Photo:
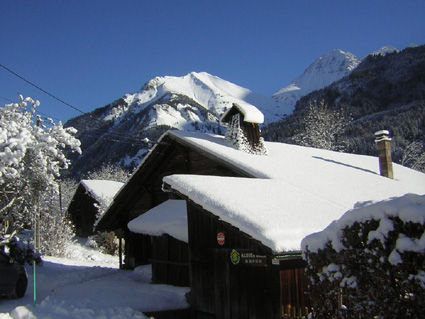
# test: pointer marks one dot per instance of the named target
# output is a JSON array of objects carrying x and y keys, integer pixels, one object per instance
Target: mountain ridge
[
  {"x": 325, "y": 70},
  {"x": 123, "y": 131}
]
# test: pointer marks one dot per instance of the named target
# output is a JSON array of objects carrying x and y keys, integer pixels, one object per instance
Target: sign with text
[{"x": 248, "y": 258}]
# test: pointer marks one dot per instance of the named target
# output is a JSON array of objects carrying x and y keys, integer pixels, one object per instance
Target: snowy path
[{"x": 68, "y": 290}]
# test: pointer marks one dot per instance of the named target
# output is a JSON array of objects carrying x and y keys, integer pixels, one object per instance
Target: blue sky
[{"x": 90, "y": 53}]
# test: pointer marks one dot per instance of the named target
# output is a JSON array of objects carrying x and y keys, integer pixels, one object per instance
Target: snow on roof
[
  {"x": 102, "y": 190},
  {"x": 297, "y": 190},
  {"x": 170, "y": 217},
  {"x": 409, "y": 208},
  {"x": 250, "y": 112}
]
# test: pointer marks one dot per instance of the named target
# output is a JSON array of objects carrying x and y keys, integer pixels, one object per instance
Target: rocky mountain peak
[{"x": 325, "y": 70}]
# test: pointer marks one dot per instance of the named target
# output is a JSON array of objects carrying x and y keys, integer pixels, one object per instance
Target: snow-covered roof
[
  {"x": 102, "y": 190},
  {"x": 409, "y": 208},
  {"x": 170, "y": 217},
  {"x": 250, "y": 112},
  {"x": 297, "y": 190}
]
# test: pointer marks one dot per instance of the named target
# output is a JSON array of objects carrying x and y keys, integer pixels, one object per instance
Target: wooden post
[{"x": 120, "y": 250}]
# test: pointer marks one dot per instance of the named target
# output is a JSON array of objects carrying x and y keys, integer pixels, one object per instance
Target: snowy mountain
[
  {"x": 322, "y": 72},
  {"x": 385, "y": 91},
  {"x": 194, "y": 102},
  {"x": 212, "y": 93}
]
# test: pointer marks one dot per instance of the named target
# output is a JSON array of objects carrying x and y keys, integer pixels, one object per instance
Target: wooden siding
[
  {"x": 170, "y": 261},
  {"x": 252, "y": 133},
  {"x": 220, "y": 289},
  {"x": 294, "y": 297},
  {"x": 137, "y": 250}
]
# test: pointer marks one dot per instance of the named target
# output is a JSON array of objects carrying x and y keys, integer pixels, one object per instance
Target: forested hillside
[{"x": 383, "y": 92}]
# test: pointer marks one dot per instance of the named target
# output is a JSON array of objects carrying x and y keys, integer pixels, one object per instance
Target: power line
[
  {"x": 41, "y": 89},
  {"x": 118, "y": 135}
]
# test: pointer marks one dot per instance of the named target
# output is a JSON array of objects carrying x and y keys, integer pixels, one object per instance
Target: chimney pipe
[{"x": 383, "y": 145}]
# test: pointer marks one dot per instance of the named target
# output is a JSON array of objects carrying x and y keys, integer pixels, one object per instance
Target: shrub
[{"x": 371, "y": 262}]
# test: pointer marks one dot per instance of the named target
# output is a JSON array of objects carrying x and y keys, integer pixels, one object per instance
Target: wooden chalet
[
  {"x": 247, "y": 215},
  {"x": 234, "y": 275},
  {"x": 82, "y": 210},
  {"x": 172, "y": 155}
]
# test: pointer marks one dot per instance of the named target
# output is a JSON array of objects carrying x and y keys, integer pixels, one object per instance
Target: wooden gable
[{"x": 144, "y": 191}]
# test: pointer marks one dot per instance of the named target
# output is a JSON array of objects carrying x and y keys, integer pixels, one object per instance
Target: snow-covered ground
[{"x": 90, "y": 285}]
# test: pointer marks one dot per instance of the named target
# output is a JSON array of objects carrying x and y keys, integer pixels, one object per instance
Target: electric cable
[{"x": 114, "y": 134}]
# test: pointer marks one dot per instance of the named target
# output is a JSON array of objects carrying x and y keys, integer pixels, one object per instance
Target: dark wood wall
[
  {"x": 82, "y": 212},
  {"x": 220, "y": 289},
  {"x": 252, "y": 133},
  {"x": 137, "y": 249},
  {"x": 170, "y": 261},
  {"x": 294, "y": 297}
]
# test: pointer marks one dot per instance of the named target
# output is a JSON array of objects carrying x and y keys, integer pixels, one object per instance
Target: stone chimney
[{"x": 383, "y": 145}]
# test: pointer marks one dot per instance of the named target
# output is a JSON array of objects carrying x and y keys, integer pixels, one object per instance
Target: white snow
[
  {"x": 212, "y": 93},
  {"x": 323, "y": 71},
  {"x": 296, "y": 191},
  {"x": 170, "y": 217},
  {"x": 102, "y": 190},
  {"x": 409, "y": 208},
  {"x": 83, "y": 289}
]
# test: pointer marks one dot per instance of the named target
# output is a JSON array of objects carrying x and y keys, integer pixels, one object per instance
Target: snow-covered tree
[
  {"x": 414, "y": 156},
  {"x": 31, "y": 159},
  {"x": 322, "y": 127},
  {"x": 110, "y": 172}
]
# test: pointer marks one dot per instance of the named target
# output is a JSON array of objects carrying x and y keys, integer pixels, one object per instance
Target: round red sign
[{"x": 221, "y": 238}]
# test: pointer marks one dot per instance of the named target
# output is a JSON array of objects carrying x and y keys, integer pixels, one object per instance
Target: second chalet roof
[
  {"x": 101, "y": 190},
  {"x": 169, "y": 217}
]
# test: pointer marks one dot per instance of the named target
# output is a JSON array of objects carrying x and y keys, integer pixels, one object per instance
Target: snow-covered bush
[
  {"x": 371, "y": 262},
  {"x": 31, "y": 159}
]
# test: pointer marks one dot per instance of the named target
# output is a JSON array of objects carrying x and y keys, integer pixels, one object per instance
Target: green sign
[
  {"x": 235, "y": 257},
  {"x": 248, "y": 258}
]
